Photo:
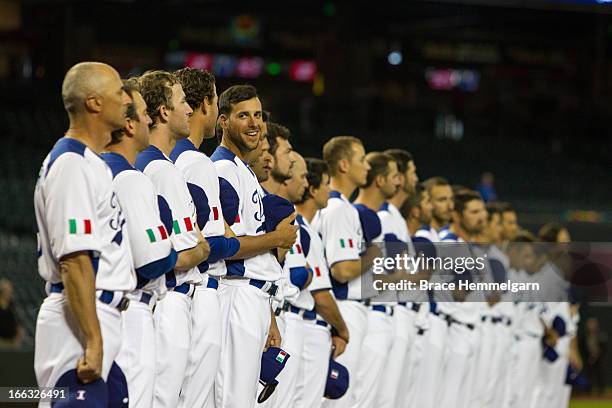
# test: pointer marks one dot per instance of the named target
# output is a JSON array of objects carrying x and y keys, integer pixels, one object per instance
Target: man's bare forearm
[
  {"x": 80, "y": 290},
  {"x": 326, "y": 306},
  {"x": 255, "y": 245},
  {"x": 190, "y": 258}
]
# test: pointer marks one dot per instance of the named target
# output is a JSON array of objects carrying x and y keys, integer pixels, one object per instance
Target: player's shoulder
[
  {"x": 223, "y": 156},
  {"x": 118, "y": 164},
  {"x": 149, "y": 156},
  {"x": 68, "y": 152},
  {"x": 184, "y": 148}
]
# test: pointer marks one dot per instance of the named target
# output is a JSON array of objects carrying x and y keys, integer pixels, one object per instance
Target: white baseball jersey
[
  {"x": 77, "y": 210},
  {"x": 341, "y": 234},
  {"x": 295, "y": 273},
  {"x": 427, "y": 232},
  {"x": 203, "y": 183},
  {"x": 315, "y": 256},
  {"x": 150, "y": 244},
  {"x": 241, "y": 199},
  {"x": 395, "y": 229},
  {"x": 468, "y": 311},
  {"x": 171, "y": 186}
]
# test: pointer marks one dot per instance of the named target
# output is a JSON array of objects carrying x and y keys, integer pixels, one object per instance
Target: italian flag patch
[
  {"x": 184, "y": 225},
  {"x": 344, "y": 243},
  {"x": 215, "y": 211},
  {"x": 281, "y": 356},
  {"x": 157, "y": 234},
  {"x": 298, "y": 249},
  {"x": 317, "y": 271},
  {"x": 334, "y": 374},
  {"x": 79, "y": 226}
]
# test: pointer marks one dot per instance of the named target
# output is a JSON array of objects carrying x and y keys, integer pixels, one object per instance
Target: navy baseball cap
[
  {"x": 92, "y": 395},
  {"x": 272, "y": 363},
  {"x": 276, "y": 209},
  {"x": 337, "y": 380},
  {"x": 117, "y": 388}
]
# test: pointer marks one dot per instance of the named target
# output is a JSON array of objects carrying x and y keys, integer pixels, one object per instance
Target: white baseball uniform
[
  {"x": 434, "y": 342},
  {"x": 298, "y": 301},
  {"x": 203, "y": 183},
  {"x": 172, "y": 313},
  {"x": 244, "y": 296},
  {"x": 77, "y": 210},
  {"x": 379, "y": 336},
  {"x": 341, "y": 234},
  {"x": 153, "y": 257},
  {"x": 394, "y": 383},
  {"x": 317, "y": 337}
]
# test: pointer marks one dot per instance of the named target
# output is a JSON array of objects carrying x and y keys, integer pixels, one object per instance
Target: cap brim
[{"x": 266, "y": 392}]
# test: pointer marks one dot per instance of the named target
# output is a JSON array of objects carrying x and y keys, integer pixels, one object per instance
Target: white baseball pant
[
  {"x": 205, "y": 349},
  {"x": 315, "y": 365},
  {"x": 430, "y": 372},
  {"x": 58, "y": 340},
  {"x": 245, "y": 316}
]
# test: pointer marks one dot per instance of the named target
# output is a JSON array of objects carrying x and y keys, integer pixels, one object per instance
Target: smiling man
[{"x": 248, "y": 324}]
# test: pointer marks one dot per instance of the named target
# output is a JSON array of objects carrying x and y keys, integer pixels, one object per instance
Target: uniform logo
[
  {"x": 334, "y": 374},
  {"x": 281, "y": 356},
  {"x": 256, "y": 199},
  {"x": 81, "y": 395},
  {"x": 157, "y": 234},
  {"x": 344, "y": 243},
  {"x": 79, "y": 226}
]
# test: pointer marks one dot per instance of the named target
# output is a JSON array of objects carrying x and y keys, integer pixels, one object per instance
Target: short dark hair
[
  {"x": 379, "y": 166},
  {"x": 463, "y": 197},
  {"x": 275, "y": 130},
  {"x": 435, "y": 181},
  {"x": 316, "y": 169},
  {"x": 549, "y": 232},
  {"x": 338, "y": 148},
  {"x": 413, "y": 201},
  {"x": 524, "y": 236},
  {"x": 156, "y": 90},
  {"x": 492, "y": 209},
  {"x": 197, "y": 85},
  {"x": 235, "y": 94},
  {"x": 130, "y": 86},
  {"x": 401, "y": 157},
  {"x": 505, "y": 207}
]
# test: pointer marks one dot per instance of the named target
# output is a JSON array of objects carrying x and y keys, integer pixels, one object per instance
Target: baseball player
[
  {"x": 297, "y": 298},
  {"x": 203, "y": 183},
  {"x": 342, "y": 234},
  {"x": 260, "y": 160},
  {"x": 247, "y": 322},
  {"x": 151, "y": 249},
  {"x": 317, "y": 337},
  {"x": 83, "y": 251},
  {"x": 170, "y": 114},
  {"x": 395, "y": 383},
  {"x": 464, "y": 313},
  {"x": 282, "y": 159},
  {"x": 382, "y": 183},
  {"x": 428, "y": 382}
]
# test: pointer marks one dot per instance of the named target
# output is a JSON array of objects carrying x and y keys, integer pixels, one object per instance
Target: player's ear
[
  {"x": 223, "y": 121},
  {"x": 93, "y": 103},
  {"x": 415, "y": 212},
  {"x": 343, "y": 165},
  {"x": 163, "y": 113},
  {"x": 130, "y": 127}
]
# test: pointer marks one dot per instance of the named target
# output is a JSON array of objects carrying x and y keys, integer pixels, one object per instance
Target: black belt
[{"x": 415, "y": 307}]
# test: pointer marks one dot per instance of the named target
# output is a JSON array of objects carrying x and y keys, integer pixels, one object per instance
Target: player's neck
[
  {"x": 437, "y": 224},
  {"x": 413, "y": 225},
  {"x": 229, "y": 145},
  {"x": 307, "y": 209},
  {"x": 91, "y": 134},
  {"x": 399, "y": 198},
  {"x": 125, "y": 150},
  {"x": 371, "y": 198},
  {"x": 456, "y": 229},
  {"x": 343, "y": 186},
  {"x": 196, "y": 130},
  {"x": 163, "y": 140},
  {"x": 274, "y": 187}
]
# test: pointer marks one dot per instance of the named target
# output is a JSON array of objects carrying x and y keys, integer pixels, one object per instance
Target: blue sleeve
[
  {"x": 158, "y": 268},
  {"x": 305, "y": 240},
  {"x": 229, "y": 201},
  {"x": 299, "y": 276},
  {"x": 222, "y": 248},
  {"x": 201, "y": 203},
  {"x": 165, "y": 213},
  {"x": 497, "y": 270},
  {"x": 394, "y": 246}
]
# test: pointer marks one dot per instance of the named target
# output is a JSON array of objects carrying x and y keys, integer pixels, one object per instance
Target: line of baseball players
[{"x": 169, "y": 272}]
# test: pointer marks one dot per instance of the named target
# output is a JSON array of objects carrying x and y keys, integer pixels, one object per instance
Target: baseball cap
[
  {"x": 337, "y": 380},
  {"x": 117, "y": 388},
  {"x": 92, "y": 395},
  {"x": 272, "y": 363},
  {"x": 276, "y": 209}
]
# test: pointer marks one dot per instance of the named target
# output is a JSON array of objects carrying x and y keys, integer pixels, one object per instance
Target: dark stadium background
[{"x": 518, "y": 88}]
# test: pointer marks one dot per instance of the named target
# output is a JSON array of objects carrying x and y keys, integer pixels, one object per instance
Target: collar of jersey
[
  {"x": 181, "y": 146},
  {"x": 337, "y": 194},
  {"x": 226, "y": 153}
]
